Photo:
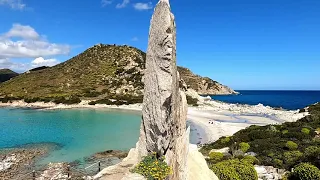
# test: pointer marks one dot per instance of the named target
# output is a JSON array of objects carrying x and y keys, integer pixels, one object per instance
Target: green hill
[
  {"x": 6, "y": 74},
  {"x": 100, "y": 72}
]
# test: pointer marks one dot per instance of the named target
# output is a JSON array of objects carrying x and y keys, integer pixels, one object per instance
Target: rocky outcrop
[
  {"x": 55, "y": 171},
  {"x": 269, "y": 172},
  {"x": 203, "y": 85},
  {"x": 164, "y": 110}
]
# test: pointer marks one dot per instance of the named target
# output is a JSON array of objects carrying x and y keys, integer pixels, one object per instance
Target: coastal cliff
[{"x": 102, "y": 71}]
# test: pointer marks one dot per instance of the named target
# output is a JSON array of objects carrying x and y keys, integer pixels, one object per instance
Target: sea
[
  {"x": 77, "y": 133},
  {"x": 290, "y": 100}
]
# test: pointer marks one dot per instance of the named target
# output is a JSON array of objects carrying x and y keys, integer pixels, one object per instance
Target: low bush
[
  {"x": 305, "y": 131},
  {"x": 250, "y": 160},
  {"x": 101, "y": 101},
  {"x": 305, "y": 171},
  {"x": 234, "y": 170},
  {"x": 153, "y": 168},
  {"x": 291, "y": 145},
  {"x": 225, "y": 140},
  {"x": 292, "y": 157},
  {"x": 278, "y": 163},
  {"x": 192, "y": 101},
  {"x": 215, "y": 157},
  {"x": 31, "y": 100},
  {"x": 312, "y": 151},
  {"x": 244, "y": 147},
  {"x": 69, "y": 100}
]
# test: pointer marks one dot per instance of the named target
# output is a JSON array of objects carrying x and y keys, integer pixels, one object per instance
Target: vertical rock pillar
[{"x": 163, "y": 127}]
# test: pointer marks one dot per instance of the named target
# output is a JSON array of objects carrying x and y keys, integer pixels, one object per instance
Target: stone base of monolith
[{"x": 197, "y": 167}]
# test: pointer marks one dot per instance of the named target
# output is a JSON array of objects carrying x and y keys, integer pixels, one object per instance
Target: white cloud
[
  {"x": 106, "y": 2},
  {"x": 123, "y": 4},
  {"x": 14, "y": 4},
  {"x": 20, "y": 31},
  {"x": 142, "y": 6},
  {"x": 24, "y": 42},
  {"x": 22, "y": 67},
  {"x": 40, "y": 61},
  {"x": 30, "y": 46},
  {"x": 18, "y": 67}
]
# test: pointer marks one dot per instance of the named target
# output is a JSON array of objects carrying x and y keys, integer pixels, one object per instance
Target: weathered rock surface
[
  {"x": 197, "y": 166},
  {"x": 164, "y": 110},
  {"x": 55, "y": 171},
  {"x": 269, "y": 172}
]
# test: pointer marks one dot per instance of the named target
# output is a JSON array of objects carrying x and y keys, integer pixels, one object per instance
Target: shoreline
[{"x": 214, "y": 118}]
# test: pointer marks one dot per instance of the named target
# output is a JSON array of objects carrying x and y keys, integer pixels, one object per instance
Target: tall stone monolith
[{"x": 164, "y": 113}]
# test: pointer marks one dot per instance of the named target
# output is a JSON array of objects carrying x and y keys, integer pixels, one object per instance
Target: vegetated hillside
[
  {"x": 6, "y": 74},
  {"x": 203, "y": 85},
  {"x": 101, "y": 69},
  {"x": 281, "y": 146},
  {"x": 101, "y": 72}
]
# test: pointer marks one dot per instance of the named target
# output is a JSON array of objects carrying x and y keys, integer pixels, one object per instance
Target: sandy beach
[{"x": 210, "y": 121}]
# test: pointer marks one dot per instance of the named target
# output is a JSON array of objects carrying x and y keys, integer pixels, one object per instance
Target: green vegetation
[
  {"x": 215, "y": 157},
  {"x": 96, "y": 74},
  {"x": 291, "y": 145},
  {"x": 244, "y": 147},
  {"x": 234, "y": 170},
  {"x": 153, "y": 168},
  {"x": 118, "y": 100},
  {"x": 192, "y": 101},
  {"x": 6, "y": 74},
  {"x": 250, "y": 160},
  {"x": 86, "y": 75},
  {"x": 304, "y": 171},
  {"x": 305, "y": 131},
  {"x": 282, "y": 146}
]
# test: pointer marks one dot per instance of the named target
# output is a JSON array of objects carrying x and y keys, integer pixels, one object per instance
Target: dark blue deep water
[{"x": 286, "y": 99}]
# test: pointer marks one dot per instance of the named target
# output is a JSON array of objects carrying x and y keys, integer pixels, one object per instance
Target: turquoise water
[{"x": 79, "y": 132}]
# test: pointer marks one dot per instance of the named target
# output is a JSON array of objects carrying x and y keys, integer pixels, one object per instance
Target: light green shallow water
[{"x": 79, "y": 132}]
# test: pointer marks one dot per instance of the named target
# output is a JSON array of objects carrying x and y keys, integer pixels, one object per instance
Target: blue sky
[{"x": 247, "y": 44}]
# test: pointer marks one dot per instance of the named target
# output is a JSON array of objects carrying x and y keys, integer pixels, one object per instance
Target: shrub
[
  {"x": 291, "y": 145},
  {"x": 305, "y": 131},
  {"x": 101, "y": 101},
  {"x": 192, "y": 101},
  {"x": 305, "y": 171},
  {"x": 244, "y": 147},
  {"x": 225, "y": 140},
  {"x": 312, "y": 151},
  {"x": 278, "y": 162},
  {"x": 215, "y": 156},
  {"x": 285, "y": 131},
  {"x": 153, "y": 168},
  {"x": 291, "y": 157},
  {"x": 31, "y": 100},
  {"x": 250, "y": 160},
  {"x": 234, "y": 170}
]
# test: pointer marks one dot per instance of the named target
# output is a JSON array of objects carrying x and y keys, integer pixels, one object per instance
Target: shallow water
[{"x": 79, "y": 133}]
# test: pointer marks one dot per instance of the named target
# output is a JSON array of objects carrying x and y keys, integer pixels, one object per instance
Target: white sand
[{"x": 217, "y": 119}]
